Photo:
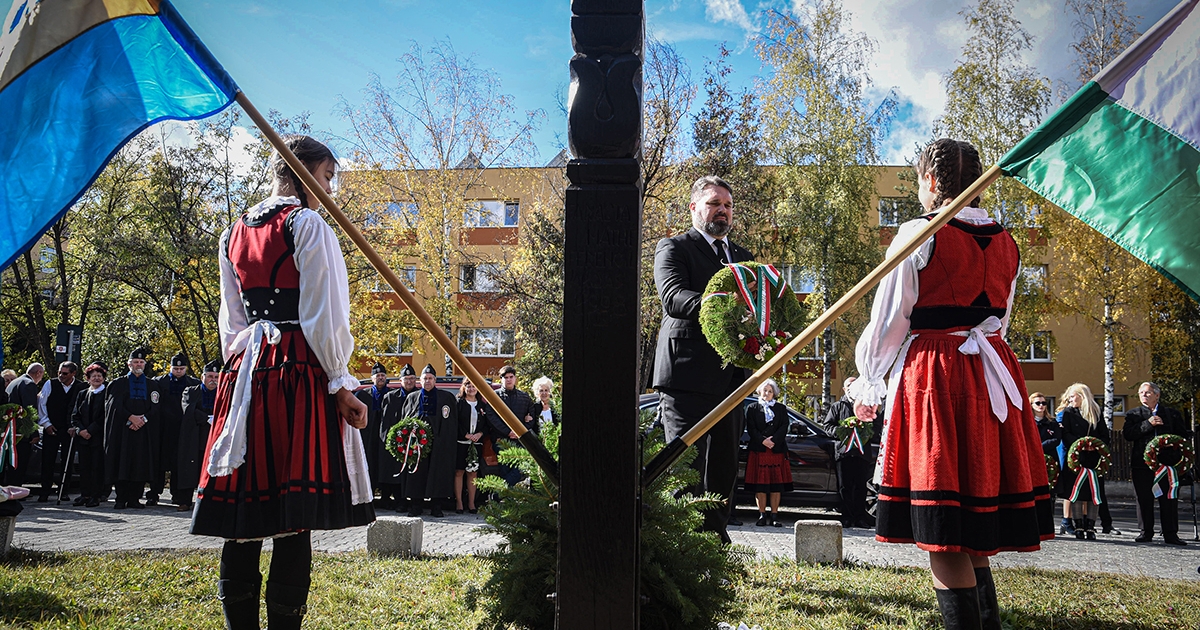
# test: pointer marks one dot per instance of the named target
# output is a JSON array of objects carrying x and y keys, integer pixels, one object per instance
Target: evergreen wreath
[
  {"x": 1052, "y": 469},
  {"x": 1102, "y": 466},
  {"x": 749, "y": 313},
  {"x": 1165, "y": 443},
  {"x": 1168, "y": 444},
  {"x": 688, "y": 576},
  {"x": 22, "y": 419},
  {"x": 409, "y": 440},
  {"x": 846, "y": 430}
]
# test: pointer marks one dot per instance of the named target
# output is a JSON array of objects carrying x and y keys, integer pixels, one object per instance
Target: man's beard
[
  {"x": 713, "y": 228},
  {"x": 137, "y": 371}
]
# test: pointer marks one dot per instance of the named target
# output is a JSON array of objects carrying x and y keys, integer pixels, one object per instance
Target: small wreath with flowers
[
  {"x": 19, "y": 419},
  {"x": 1052, "y": 469},
  {"x": 409, "y": 441},
  {"x": 1170, "y": 445},
  {"x": 749, "y": 313},
  {"x": 854, "y": 433},
  {"x": 1089, "y": 443}
]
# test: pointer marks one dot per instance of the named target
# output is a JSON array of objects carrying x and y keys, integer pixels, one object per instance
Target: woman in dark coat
[
  {"x": 87, "y": 425},
  {"x": 1080, "y": 418},
  {"x": 542, "y": 411},
  {"x": 1048, "y": 428},
  {"x": 473, "y": 420},
  {"x": 767, "y": 470}
]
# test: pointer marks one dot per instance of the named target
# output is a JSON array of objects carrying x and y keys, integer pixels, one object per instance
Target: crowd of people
[{"x": 132, "y": 434}]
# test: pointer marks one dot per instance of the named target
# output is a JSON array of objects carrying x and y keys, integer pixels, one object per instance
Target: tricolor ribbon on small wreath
[
  {"x": 8, "y": 445},
  {"x": 1088, "y": 477},
  {"x": 1166, "y": 476},
  {"x": 854, "y": 433}
]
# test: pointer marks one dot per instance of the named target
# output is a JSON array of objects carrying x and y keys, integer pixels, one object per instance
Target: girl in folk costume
[
  {"x": 768, "y": 472},
  {"x": 960, "y": 468},
  {"x": 1080, "y": 418},
  {"x": 281, "y": 459}
]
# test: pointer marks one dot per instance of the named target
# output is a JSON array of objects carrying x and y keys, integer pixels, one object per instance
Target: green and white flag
[{"x": 1123, "y": 154}]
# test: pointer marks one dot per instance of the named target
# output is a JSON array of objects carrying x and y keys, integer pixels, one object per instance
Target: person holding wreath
[
  {"x": 473, "y": 418},
  {"x": 852, "y": 457},
  {"x": 1081, "y": 418},
  {"x": 767, "y": 469},
  {"x": 1142, "y": 425},
  {"x": 961, "y": 467},
  {"x": 434, "y": 477}
]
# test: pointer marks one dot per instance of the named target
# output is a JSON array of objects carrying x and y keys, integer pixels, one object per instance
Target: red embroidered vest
[
  {"x": 261, "y": 250},
  {"x": 968, "y": 277}
]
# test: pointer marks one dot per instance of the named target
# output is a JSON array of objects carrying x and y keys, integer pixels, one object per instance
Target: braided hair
[
  {"x": 954, "y": 164},
  {"x": 310, "y": 152}
]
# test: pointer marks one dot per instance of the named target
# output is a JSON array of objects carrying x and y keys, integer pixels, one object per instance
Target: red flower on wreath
[
  {"x": 423, "y": 442},
  {"x": 751, "y": 346}
]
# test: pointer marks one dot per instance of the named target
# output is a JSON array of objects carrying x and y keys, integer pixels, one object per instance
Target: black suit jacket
[
  {"x": 684, "y": 360},
  {"x": 1138, "y": 430}
]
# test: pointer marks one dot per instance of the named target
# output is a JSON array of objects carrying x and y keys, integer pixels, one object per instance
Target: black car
[{"x": 810, "y": 453}]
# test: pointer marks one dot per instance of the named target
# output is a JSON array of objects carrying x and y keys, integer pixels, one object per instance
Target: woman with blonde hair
[{"x": 1080, "y": 418}]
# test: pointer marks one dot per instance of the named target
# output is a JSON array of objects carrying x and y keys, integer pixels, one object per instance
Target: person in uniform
[
  {"x": 372, "y": 441},
  {"x": 434, "y": 478},
  {"x": 55, "y": 404},
  {"x": 1143, "y": 424},
  {"x": 391, "y": 481},
  {"x": 87, "y": 425},
  {"x": 281, "y": 460},
  {"x": 131, "y": 427},
  {"x": 171, "y": 386},
  {"x": 197, "y": 402}
]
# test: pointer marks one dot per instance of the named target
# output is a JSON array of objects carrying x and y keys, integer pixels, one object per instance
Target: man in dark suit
[
  {"x": 23, "y": 391},
  {"x": 687, "y": 371},
  {"x": 198, "y": 403},
  {"x": 372, "y": 440},
  {"x": 171, "y": 387},
  {"x": 1143, "y": 424},
  {"x": 131, "y": 426}
]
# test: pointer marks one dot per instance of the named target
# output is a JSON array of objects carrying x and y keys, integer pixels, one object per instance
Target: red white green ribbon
[
  {"x": 8, "y": 445},
  {"x": 764, "y": 277},
  {"x": 1087, "y": 478},
  {"x": 1171, "y": 476},
  {"x": 854, "y": 440}
]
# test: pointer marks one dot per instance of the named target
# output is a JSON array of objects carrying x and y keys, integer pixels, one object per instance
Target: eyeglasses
[
  {"x": 1040, "y": 403},
  {"x": 64, "y": 373}
]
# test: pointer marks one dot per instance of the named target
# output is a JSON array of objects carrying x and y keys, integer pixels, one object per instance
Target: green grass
[{"x": 176, "y": 590}]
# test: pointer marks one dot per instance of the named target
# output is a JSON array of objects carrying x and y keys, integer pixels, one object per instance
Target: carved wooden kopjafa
[{"x": 599, "y": 507}]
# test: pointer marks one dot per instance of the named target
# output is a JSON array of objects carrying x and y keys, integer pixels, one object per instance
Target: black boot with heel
[{"x": 960, "y": 608}]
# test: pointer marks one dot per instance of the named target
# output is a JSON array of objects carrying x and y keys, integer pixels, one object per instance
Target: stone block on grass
[
  {"x": 7, "y": 525},
  {"x": 818, "y": 541},
  {"x": 395, "y": 536}
]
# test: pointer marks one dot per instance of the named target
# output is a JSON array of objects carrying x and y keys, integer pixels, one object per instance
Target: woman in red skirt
[
  {"x": 767, "y": 468},
  {"x": 281, "y": 458},
  {"x": 960, "y": 465}
]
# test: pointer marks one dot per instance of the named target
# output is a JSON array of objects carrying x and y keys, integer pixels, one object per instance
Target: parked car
[{"x": 810, "y": 453}]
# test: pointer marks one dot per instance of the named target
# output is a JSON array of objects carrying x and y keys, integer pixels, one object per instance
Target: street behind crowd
[{"x": 47, "y": 527}]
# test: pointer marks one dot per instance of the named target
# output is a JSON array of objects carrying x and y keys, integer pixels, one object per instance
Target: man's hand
[
  {"x": 512, "y": 435},
  {"x": 866, "y": 413},
  {"x": 1156, "y": 421},
  {"x": 72, "y": 431},
  {"x": 49, "y": 430},
  {"x": 351, "y": 409},
  {"x": 83, "y": 433},
  {"x": 137, "y": 422}
]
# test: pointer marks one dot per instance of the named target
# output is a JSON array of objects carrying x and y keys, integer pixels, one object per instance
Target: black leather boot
[
  {"x": 240, "y": 603},
  {"x": 1080, "y": 530},
  {"x": 960, "y": 608},
  {"x": 989, "y": 607},
  {"x": 1089, "y": 528},
  {"x": 286, "y": 606}
]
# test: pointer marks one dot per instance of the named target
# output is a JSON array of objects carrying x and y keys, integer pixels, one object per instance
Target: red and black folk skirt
[
  {"x": 768, "y": 472},
  {"x": 955, "y": 478},
  {"x": 294, "y": 477}
]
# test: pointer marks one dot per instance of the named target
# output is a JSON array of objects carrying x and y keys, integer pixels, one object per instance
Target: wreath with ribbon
[
  {"x": 854, "y": 433},
  {"x": 1052, "y": 469},
  {"x": 1168, "y": 473},
  {"x": 16, "y": 424},
  {"x": 1088, "y": 477},
  {"x": 472, "y": 457},
  {"x": 409, "y": 441},
  {"x": 749, "y": 313}
]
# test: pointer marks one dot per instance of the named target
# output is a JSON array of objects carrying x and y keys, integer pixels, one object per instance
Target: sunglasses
[
  {"x": 64, "y": 373},
  {"x": 1040, "y": 403}
]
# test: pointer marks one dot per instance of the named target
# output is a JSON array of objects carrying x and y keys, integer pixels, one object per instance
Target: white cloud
[{"x": 730, "y": 11}]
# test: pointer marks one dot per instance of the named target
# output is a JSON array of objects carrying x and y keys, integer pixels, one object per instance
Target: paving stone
[
  {"x": 8, "y": 526},
  {"x": 395, "y": 536},
  {"x": 818, "y": 541}
]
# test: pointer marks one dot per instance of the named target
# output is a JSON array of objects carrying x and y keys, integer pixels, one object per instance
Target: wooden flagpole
[
  {"x": 528, "y": 439},
  {"x": 671, "y": 453}
]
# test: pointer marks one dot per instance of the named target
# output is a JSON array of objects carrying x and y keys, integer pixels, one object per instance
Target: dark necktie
[{"x": 720, "y": 245}]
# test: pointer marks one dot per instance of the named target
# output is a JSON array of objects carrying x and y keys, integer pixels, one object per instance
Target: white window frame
[
  {"x": 889, "y": 210},
  {"x": 408, "y": 277},
  {"x": 1118, "y": 403},
  {"x": 492, "y": 213},
  {"x": 799, "y": 280},
  {"x": 479, "y": 283},
  {"x": 477, "y": 346},
  {"x": 1035, "y": 275},
  {"x": 1028, "y": 354},
  {"x": 398, "y": 350}
]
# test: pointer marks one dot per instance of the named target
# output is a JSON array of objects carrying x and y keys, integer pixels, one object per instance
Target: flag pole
[
  {"x": 666, "y": 457},
  {"x": 528, "y": 439}
]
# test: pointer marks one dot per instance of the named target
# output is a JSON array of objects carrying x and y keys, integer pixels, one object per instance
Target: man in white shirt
[{"x": 55, "y": 404}]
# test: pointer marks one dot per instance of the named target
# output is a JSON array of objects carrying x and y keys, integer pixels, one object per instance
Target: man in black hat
[
  {"x": 132, "y": 424},
  {"x": 171, "y": 387},
  {"x": 197, "y": 403},
  {"x": 391, "y": 481},
  {"x": 373, "y": 399},
  {"x": 55, "y": 404},
  {"x": 434, "y": 477}
]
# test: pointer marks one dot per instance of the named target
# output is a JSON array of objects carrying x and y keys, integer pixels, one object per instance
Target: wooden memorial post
[{"x": 599, "y": 455}]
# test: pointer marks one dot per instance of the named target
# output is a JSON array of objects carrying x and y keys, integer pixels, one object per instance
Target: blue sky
[{"x": 301, "y": 55}]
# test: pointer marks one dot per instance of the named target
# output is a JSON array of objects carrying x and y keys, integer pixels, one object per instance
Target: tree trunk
[{"x": 1109, "y": 363}]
